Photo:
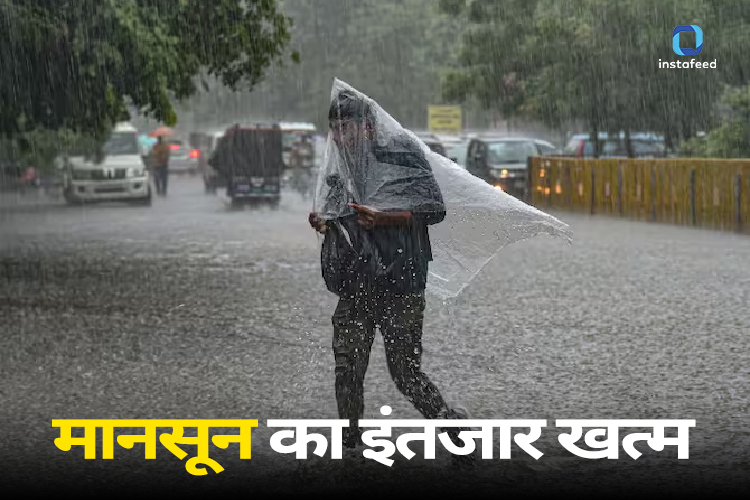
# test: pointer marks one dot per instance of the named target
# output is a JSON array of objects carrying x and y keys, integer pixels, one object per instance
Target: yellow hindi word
[{"x": 148, "y": 438}]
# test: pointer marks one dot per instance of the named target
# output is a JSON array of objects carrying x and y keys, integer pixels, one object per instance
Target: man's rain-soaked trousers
[{"x": 400, "y": 318}]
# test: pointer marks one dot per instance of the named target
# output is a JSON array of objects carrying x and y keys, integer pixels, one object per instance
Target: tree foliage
[
  {"x": 78, "y": 65},
  {"x": 731, "y": 139},
  {"x": 596, "y": 61},
  {"x": 395, "y": 51}
]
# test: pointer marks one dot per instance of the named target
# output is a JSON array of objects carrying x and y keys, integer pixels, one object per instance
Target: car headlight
[{"x": 136, "y": 172}]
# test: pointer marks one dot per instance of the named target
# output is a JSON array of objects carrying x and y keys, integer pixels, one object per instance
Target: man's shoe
[
  {"x": 352, "y": 439},
  {"x": 458, "y": 412},
  {"x": 460, "y": 461}
]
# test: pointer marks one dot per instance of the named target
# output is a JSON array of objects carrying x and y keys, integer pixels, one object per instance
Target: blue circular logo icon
[{"x": 698, "y": 40}]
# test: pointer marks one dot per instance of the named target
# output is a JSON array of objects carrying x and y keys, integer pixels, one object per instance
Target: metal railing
[{"x": 711, "y": 193}]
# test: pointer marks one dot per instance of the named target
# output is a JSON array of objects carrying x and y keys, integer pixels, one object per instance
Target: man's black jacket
[{"x": 388, "y": 259}]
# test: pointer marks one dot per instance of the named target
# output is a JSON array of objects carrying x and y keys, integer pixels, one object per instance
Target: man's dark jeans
[
  {"x": 400, "y": 319},
  {"x": 161, "y": 176}
]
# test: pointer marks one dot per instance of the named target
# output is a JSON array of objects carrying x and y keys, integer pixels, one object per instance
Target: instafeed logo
[
  {"x": 698, "y": 40},
  {"x": 686, "y": 51}
]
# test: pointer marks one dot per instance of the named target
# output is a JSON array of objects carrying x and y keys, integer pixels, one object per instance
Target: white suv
[{"x": 122, "y": 176}]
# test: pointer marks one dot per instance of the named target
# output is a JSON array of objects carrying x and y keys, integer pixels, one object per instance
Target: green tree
[
  {"x": 394, "y": 51},
  {"x": 596, "y": 61},
  {"x": 80, "y": 65},
  {"x": 731, "y": 139}
]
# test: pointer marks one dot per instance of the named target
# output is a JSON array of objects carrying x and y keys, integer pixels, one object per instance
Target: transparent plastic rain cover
[{"x": 406, "y": 175}]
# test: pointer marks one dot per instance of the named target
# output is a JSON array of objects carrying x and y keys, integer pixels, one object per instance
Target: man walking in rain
[
  {"x": 380, "y": 201},
  {"x": 160, "y": 155}
]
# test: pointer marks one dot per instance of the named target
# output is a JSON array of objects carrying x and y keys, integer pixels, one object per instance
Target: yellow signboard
[{"x": 445, "y": 119}]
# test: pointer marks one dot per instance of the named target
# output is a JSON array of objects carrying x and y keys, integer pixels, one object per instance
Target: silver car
[{"x": 183, "y": 159}]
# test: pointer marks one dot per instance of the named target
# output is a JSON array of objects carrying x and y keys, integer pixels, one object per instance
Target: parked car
[
  {"x": 503, "y": 161},
  {"x": 644, "y": 145}
]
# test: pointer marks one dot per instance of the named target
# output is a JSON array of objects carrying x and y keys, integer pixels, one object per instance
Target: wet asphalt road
[{"x": 188, "y": 309}]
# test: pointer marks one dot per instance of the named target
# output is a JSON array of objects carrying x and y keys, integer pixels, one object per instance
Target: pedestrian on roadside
[
  {"x": 377, "y": 263},
  {"x": 160, "y": 155}
]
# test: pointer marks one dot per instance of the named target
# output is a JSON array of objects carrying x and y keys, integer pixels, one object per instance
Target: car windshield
[
  {"x": 122, "y": 143},
  {"x": 508, "y": 152}
]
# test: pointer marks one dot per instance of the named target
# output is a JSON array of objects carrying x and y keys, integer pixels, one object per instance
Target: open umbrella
[{"x": 161, "y": 132}]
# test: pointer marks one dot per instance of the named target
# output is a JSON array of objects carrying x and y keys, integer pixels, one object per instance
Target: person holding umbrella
[{"x": 159, "y": 159}]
